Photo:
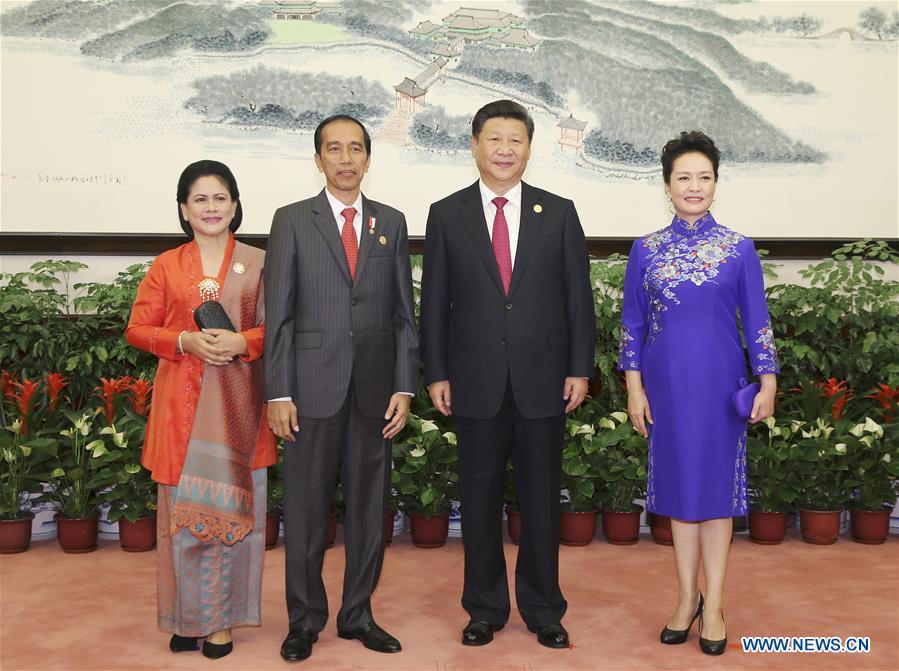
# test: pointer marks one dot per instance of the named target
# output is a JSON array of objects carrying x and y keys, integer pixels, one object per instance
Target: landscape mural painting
[{"x": 105, "y": 101}]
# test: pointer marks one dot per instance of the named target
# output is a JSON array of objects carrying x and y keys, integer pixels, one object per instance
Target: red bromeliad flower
[
  {"x": 22, "y": 398},
  {"x": 7, "y": 380},
  {"x": 109, "y": 390},
  {"x": 886, "y": 396},
  {"x": 140, "y": 395},
  {"x": 831, "y": 388},
  {"x": 56, "y": 382}
]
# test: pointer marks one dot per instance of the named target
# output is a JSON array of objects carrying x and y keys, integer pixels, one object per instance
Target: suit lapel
[
  {"x": 323, "y": 218},
  {"x": 476, "y": 225},
  {"x": 528, "y": 233},
  {"x": 367, "y": 240}
]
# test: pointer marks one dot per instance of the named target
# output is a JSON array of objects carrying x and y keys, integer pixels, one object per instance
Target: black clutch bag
[{"x": 211, "y": 315}]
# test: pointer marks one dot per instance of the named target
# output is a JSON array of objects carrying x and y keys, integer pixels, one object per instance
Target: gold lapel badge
[
  {"x": 382, "y": 240},
  {"x": 239, "y": 268},
  {"x": 538, "y": 208}
]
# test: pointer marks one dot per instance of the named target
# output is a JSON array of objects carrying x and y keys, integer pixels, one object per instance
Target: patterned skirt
[{"x": 206, "y": 587}]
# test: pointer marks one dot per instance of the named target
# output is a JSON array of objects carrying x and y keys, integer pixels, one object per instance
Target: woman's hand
[
  {"x": 763, "y": 404},
  {"x": 231, "y": 343},
  {"x": 209, "y": 346},
  {"x": 638, "y": 410}
]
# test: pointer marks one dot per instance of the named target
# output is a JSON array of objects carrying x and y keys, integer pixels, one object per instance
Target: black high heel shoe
[
  {"x": 182, "y": 643},
  {"x": 678, "y": 636},
  {"x": 712, "y": 647},
  {"x": 217, "y": 650}
]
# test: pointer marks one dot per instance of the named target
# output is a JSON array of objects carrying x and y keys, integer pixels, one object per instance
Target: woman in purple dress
[{"x": 683, "y": 360}]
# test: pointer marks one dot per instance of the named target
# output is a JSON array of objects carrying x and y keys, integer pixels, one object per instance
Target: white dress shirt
[{"x": 512, "y": 210}]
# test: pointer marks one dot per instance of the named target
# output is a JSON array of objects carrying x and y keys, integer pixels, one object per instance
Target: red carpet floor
[{"x": 98, "y": 611}]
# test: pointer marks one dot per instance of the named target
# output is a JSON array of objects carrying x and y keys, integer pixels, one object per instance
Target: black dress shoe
[
  {"x": 551, "y": 635},
  {"x": 298, "y": 644},
  {"x": 479, "y": 632},
  {"x": 677, "y": 636},
  {"x": 183, "y": 643},
  {"x": 712, "y": 647},
  {"x": 372, "y": 637},
  {"x": 217, "y": 650}
]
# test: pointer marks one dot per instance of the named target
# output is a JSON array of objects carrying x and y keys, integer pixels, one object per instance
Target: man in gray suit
[{"x": 341, "y": 367}]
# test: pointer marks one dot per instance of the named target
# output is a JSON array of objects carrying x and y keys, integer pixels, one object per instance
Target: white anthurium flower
[
  {"x": 450, "y": 437},
  {"x": 806, "y": 434},
  {"x": 857, "y": 430},
  {"x": 588, "y": 430},
  {"x": 867, "y": 440},
  {"x": 770, "y": 423},
  {"x": 16, "y": 427},
  {"x": 873, "y": 427},
  {"x": 8, "y": 455},
  {"x": 795, "y": 425},
  {"x": 417, "y": 452},
  {"x": 887, "y": 458},
  {"x": 820, "y": 453},
  {"x": 119, "y": 439},
  {"x": 840, "y": 448},
  {"x": 620, "y": 417},
  {"x": 132, "y": 469},
  {"x": 107, "y": 430},
  {"x": 606, "y": 423},
  {"x": 26, "y": 451},
  {"x": 861, "y": 471},
  {"x": 97, "y": 448},
  {"x": 427, "y": 426},
  {"x": 57, "y": 473},
  {"x": 827, "y": 430},
  {"x": 775, "y": 431}
]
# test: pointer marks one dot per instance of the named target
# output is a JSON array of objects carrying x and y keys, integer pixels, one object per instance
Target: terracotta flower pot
[
  {"x": 767, "y": 528},
  {"x": 870, "y": 527},
  {"x": 332, "y": 529},
  {"x": 577, "y": 528},
  {"x": 76, "y": 536},
  {"x": 138, "y": 536},
  {"x": 513, "y": 523},
  {"x": 819, "y": 527},
  {"x": 15, "y": 535},
  {"x": 430, "y": 532},
  {"x": 622, "y": 528},
  {"x": 272, "y": 529},
  {"x": 660, "y": 528}
]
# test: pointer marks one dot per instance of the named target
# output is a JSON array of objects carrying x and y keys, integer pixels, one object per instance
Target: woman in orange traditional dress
[{"x": 208, "y": 442}]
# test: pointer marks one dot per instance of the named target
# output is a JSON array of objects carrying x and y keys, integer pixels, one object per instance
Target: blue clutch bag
[{"x": 744, "y": 397}]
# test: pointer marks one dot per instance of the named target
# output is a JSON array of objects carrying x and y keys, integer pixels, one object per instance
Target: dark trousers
[
  {"x": 535, "y": 446},
  {"x": 352, "y": 445}
]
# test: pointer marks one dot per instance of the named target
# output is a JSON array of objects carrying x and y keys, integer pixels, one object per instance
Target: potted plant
[
  {"x": 772, "y": 481},
  {"x": 274, "y": 495},
  {"x": 426, "y": 478},
  {"x": 873, "y": 469},
  {"x": 622, "y": 474},
  {"x": 21, "y": 460},
  {"x": 513, "y": 511},
  {"x": 80, "y": 473},
  {"x": 822, "y": 469},
  {"x": 578, "y": 481},
  {"x": 132, "y": 494}
]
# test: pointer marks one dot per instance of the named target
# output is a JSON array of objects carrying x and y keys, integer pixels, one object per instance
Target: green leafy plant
[
  {"x": 873, "y": 456},
  {"x": 132, "y": 494},
  {"x": 580, "y": 474},
  {"x": 23, "y": 463},
  {"x": 821, "y": 464},
  {"x": 274, "y": 493},
  {"x": 425, "y": 467},
  {"x": 622, "y": 462},
  {"x": 769, "y": 469},
  {"x": 607, "y": 279}
]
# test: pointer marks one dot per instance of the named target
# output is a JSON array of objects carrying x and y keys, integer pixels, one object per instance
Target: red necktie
[
  {"x": 350, "y": 244},
  {"x": 501, "y": 249}
]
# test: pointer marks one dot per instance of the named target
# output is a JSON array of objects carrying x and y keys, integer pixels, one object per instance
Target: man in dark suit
[
  {"x": 508, "y": 332},
  {"x": 341, "y": 366}
]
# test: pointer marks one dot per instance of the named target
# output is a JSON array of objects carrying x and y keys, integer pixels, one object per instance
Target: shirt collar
[
  {"x": 513, "y": 195},
  {"x": 702, "y": 224},
  {"x": 337, "y": 207}
]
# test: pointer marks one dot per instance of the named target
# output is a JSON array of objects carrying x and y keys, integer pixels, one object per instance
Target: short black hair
[
  {"x": 207, "y": 168},
  {"x": 507, "y": 109},
  {"x": 317, "y": 138},
  {"x": 686, "y": 142}
]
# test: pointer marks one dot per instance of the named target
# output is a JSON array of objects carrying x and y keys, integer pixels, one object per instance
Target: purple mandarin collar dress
[{"x": 682, "y": 289}]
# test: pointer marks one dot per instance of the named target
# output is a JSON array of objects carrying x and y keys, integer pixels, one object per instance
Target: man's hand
[
  {"x": 397, "y": 412},
  {"x": 441, "y": 397},
  {"x": 282, "y": 417},
  {"x": 574, "y": 391},
  {"x": 230, "y": 343},
  {"x": 205, "y": 346}
]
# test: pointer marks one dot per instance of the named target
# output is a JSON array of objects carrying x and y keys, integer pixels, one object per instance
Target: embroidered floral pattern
[
  {"x": 740, "y": 494},
  {"x": 767, "y": 359},
  {"x": 650, "y": 479},
  {"x": 625, "y": 350}
]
